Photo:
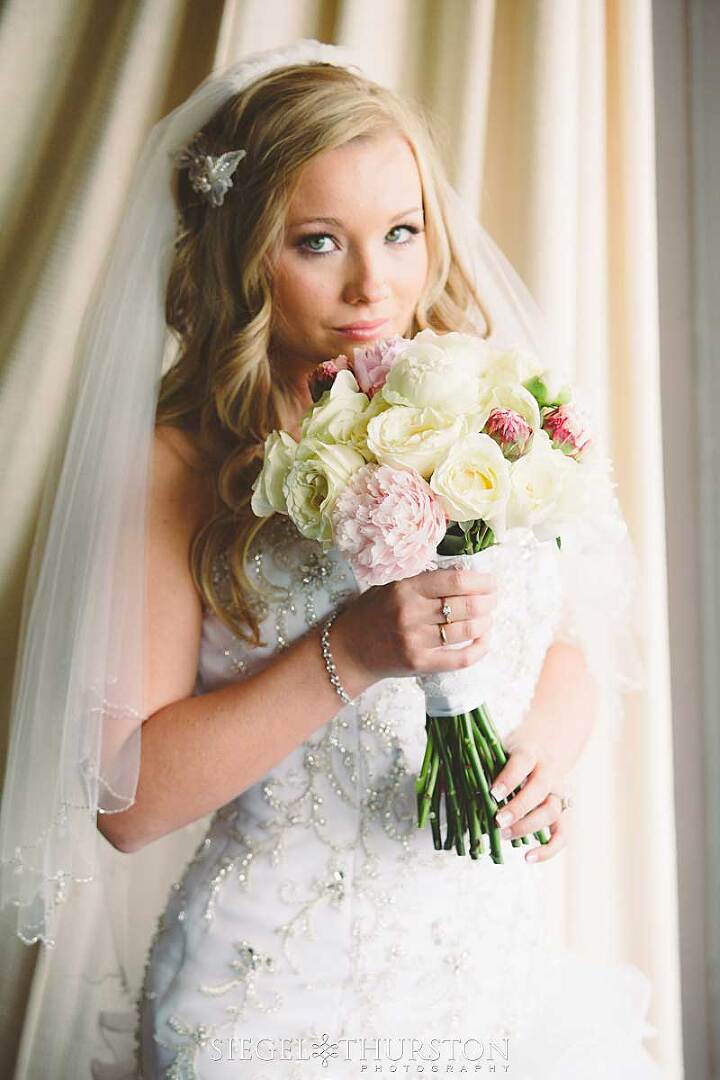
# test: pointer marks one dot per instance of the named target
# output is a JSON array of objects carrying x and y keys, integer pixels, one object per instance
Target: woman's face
[{"x": 354, "y": 252}]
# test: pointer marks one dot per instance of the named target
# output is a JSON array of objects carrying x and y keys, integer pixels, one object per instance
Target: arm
[
  {"x": 199, "y": 752},
  {"x": 562, "y": 713},
  {"x": 544, "y": 747}
]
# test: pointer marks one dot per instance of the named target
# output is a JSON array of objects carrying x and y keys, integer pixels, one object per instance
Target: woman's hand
[
  {"x": 543, "y": 749},
  {"x": 393, "y": 630},
  {"x": 537, "y": 805}
]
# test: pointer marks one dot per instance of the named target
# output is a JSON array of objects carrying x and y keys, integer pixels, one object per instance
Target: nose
[{"x": 365, "y": 283}]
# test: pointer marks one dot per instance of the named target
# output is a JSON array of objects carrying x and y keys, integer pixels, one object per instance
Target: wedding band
[
  {"x": 566, "y": 802},
  {"x": 447, "y": 611},
  {"x": 443, "y": 635}
]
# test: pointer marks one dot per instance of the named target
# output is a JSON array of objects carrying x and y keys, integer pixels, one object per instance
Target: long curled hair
[{"x": 222, "y": 389}]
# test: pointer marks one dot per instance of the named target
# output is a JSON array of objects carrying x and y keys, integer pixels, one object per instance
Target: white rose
[
  {"x": 318, "y": 474},
  {"x": 509, "y": 366},
  {"x": 334, "y": 418},
  {"x": 474, "y": 481},
  {"x": 547, "y": 489},
  {"x": 414, "y": 438},
  {"x": 550, "y": 386},
  {"x": 437, "y": 371},
  {"x": 358, "y": 436},
  {"x": 267, "y": 488}
]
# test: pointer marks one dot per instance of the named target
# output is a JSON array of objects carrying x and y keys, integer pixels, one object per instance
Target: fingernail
[
  {"x": 505, "y": 833},
  {"x": 504, "y": 818},
  {"x": 531, "y": 857},
  {"x": 499, "y": 791}
]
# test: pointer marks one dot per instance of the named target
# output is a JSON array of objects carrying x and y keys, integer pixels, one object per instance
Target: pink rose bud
[
  {"x": 323, "y": 375},
  {"x": 371, "y": 363},
  {"x": 567, "y": 429},
  {"x": 510, "y": 431}
]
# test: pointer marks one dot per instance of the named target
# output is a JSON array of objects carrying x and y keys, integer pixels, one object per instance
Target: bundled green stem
[{"x": 464, "y": 754}]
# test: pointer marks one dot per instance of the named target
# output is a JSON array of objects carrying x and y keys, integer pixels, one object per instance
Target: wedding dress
[{"x": 316, "y": 931}]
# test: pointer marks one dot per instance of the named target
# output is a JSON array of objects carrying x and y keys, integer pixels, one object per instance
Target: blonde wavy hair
[{"x": 222, "y": 389}]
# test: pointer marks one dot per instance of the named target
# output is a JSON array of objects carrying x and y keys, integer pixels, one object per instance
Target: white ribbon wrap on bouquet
[{"x": 528, "y": 608}]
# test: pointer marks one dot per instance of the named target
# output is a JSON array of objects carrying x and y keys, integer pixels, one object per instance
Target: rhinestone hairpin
[{"x": 209, "y": 176}]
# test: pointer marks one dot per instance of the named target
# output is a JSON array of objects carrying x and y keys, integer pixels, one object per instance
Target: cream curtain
[{"x": 546, "y": 110}]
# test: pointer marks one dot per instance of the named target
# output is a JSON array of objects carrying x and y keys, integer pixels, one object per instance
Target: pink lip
[{"x": 361, "y": 329}]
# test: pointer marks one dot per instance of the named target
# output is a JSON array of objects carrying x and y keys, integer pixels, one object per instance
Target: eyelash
[{"x": 412, "y": 229}]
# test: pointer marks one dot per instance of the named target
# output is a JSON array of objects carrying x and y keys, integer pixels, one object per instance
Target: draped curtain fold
[{"x": 545, "y": 110}]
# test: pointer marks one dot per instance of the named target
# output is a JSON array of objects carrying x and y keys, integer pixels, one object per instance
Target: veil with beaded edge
[{"x": 77, "y": 705}]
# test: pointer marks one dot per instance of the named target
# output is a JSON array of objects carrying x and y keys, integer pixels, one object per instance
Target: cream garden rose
[
  {"x": 437, "y": 371},
  {"x": 267, "y": 490},
  {"x": 509, "y": 366},
  {"x": 358, "y": 436},
  {"x": 318, "y": 474},
  {"x": 412, "y": 437},
  {"x": 334, "y": 418},
  {"x": 473, "y": 481},
  {"x": 546, "y": 489}
]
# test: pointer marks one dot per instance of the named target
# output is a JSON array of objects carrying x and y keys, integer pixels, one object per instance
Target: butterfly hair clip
[{"x": 209, "y": 176}]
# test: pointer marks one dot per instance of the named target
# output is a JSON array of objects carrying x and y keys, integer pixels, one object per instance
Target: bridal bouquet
[{"x": 423, "y": 453}]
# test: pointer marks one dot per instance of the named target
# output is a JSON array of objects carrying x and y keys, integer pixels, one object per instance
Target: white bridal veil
[{"x": 77, "y": 704}]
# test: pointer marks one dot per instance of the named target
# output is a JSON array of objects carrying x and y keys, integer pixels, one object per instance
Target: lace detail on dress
[
  {"x": 345, "y": 800},
  {"x": 314, "y": 907}
]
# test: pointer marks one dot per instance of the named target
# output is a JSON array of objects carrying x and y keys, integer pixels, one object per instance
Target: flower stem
[
  {"x": 426, "y": 782},
  {"x": 471, "y": 749},
  {"x": 435, "y": 816},
  {"x": 451, "y": 800}
]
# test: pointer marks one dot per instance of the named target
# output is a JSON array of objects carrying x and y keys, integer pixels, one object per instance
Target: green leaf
[{"x": 451, "y": 545}]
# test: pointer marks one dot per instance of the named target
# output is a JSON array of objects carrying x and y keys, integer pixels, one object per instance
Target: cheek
[
  {"x": 413, "y": 281},
  {"x": 301, "y": 294}
]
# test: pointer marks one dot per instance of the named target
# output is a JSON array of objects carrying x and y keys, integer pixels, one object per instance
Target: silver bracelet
[{"x": 329, "y": 662}]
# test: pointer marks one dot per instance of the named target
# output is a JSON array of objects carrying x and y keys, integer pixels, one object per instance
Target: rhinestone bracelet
[{"x": 329, "y": 662}]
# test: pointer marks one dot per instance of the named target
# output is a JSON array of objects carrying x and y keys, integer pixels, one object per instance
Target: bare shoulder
[
  {"x": 180, "y": 502},
  {"x": 182, "y": 444}
]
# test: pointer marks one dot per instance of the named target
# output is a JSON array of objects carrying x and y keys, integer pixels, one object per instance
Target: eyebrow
[{"x": 336, "y": 221}]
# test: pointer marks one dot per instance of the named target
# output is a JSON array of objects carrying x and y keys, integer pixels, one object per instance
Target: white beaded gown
[{"x": 316, "y": 931}]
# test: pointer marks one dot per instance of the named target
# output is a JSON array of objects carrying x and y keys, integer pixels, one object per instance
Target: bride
[{"x": 291, "y": 210}]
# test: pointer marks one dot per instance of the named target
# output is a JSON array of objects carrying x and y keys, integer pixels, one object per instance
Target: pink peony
[
  {"x": 323, "y": 375},
  {"x": 510, "y": 431},
  {"x": 371, "y": 363},
  {"x": 567, "y": 429},
  {"x": 388, "y": 523}
]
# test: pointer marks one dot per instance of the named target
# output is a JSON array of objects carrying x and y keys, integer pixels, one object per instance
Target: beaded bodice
[{"x": 318, "y": 872}]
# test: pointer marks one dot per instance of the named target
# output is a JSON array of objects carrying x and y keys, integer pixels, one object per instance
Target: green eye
[
  {"x": 413, "y": 230},
  {"x": 307, "y": 244},
  {"x": 315, "y": 239}
]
